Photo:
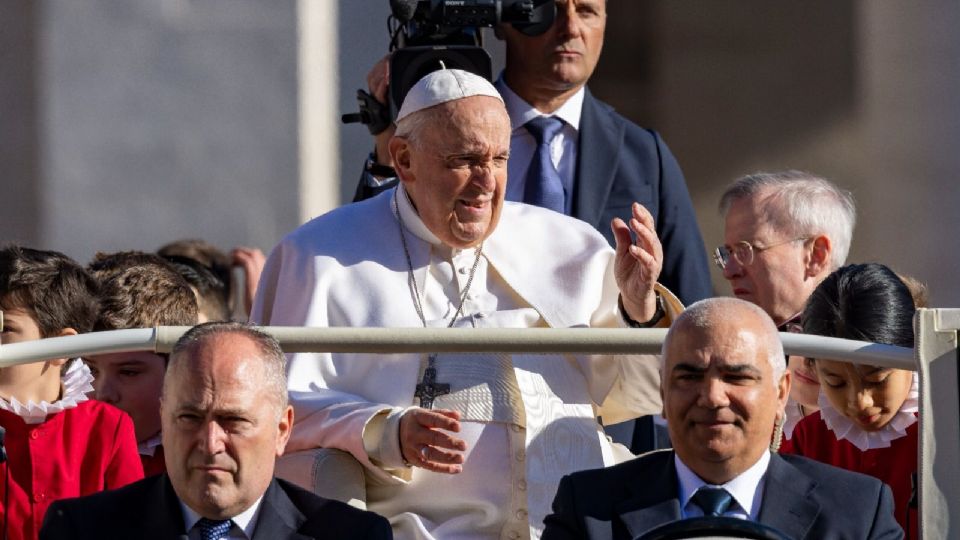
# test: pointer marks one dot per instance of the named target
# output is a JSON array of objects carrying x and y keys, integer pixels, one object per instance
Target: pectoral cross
[{"x": 430, "y": 389}]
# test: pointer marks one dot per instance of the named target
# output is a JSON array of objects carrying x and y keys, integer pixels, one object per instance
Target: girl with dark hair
[{"x": 868, "y": 414}]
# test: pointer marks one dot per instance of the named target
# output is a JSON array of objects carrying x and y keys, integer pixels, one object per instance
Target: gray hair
[
  {"x": 274, "y": 361},
  {"x": 705, "y": 313},
  {"x": 800, "y": 204},
  {"x": 412, "y": 126}
]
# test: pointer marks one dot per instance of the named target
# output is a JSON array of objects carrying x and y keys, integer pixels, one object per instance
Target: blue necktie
[
  {"x": 713, "y": 501},
  {"x": 213, "y": 530},
  {"x": 544, "y": 187}
]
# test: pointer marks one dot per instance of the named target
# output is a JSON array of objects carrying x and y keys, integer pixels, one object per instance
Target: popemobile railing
[{"x": 935, "y": 357}]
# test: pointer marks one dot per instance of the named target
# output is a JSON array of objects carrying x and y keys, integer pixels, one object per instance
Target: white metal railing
[
  {"x": 935, "y": 357},
  {"x": 405, "y": 340}
]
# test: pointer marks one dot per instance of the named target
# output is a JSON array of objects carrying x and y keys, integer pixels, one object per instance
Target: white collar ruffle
[
  {"x": 75, "y": 383},
  {"x": 845, "y": 429},
  {"x": 792, "y": 417}
]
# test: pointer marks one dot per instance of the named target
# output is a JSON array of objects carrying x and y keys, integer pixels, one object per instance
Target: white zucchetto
[{"x": 442, "y": 86}]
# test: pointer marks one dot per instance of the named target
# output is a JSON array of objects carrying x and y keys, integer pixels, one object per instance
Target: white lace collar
[
  {"x": 845, "y": 429},
  {"x": 792, "y": 416},
  {"x": 75, "y": 383}
]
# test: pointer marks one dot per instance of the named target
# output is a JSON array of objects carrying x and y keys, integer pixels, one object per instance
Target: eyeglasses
[{"x": 743, "y": 252}]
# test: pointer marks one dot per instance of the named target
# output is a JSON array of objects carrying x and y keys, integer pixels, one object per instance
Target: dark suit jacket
[
  {"x": 618, "y": 162},
  {"x": 149, "y": 509},
  {"x": 802, "y": 498}
]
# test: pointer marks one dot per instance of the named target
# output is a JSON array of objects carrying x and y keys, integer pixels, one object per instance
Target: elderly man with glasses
[{"x": 784, "y": 232}]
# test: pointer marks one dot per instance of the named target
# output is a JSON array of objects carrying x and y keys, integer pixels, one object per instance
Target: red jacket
[
  {"x": 79, "y": 451},
  {"x": 895, "y": 465},
  {"x": 154, "y": 464}
]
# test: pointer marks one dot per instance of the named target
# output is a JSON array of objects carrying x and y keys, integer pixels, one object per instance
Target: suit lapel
[
  {"x": 599, "y": 146},
  {"x": 279, "y": 518},
  {"x": 652, "y": 506},
  {"x": 786, "y": 504},
  {"x": 163, "y": 519}
]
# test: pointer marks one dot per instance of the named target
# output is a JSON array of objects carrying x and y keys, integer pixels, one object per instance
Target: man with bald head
[
  {"x": 225, "y": 421},
  {"x": 463, "y": 445},
  {"x": 724, "y": 384}
]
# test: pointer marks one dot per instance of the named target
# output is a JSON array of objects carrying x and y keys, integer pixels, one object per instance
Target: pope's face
[
  {"x": 456, "y": 169},
  {"x": 221, "y": 429},
  {"x": 719, "y": 397}
]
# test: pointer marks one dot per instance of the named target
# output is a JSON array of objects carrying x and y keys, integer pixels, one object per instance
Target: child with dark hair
[
  {"x": 59, "y": 444},
  {"x": 138, "y": 290},
  {"x": 210, "y": 291},
  {"x": 868, "y": 414}
]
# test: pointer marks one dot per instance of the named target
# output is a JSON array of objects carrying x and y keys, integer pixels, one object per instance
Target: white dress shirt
[
  {"x": 746, "y": 489},
  {"x": 243, "y": 523},
  {"x": 523, "y": 147}
]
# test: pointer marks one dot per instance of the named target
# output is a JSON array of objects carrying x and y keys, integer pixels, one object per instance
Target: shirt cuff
[{"x": 381, "y": 438}]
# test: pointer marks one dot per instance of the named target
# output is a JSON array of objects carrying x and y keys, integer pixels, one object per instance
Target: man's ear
[
  {"x": 285, "y": 426},
  {"x": 818, "y": 260},
  {"x": 400, "y": 153},
  {"x": 783, "y": 388}
]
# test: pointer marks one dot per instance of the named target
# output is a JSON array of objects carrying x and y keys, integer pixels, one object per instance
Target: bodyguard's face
[
  {"x": 456, "y": 172},
  {"x": 221, "y": 428},
  {"x": 563, "y": 57},
  {"x": 719, "y": 398}
]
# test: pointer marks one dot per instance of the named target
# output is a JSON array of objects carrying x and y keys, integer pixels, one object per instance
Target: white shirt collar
[
  {"x": 410, "y": 218},
  {"x": 746, "y": 488},
  {"x": 149, "y": 446},
  {"x": 246, "y": 520},
  {"x": 522, "y": 112}
]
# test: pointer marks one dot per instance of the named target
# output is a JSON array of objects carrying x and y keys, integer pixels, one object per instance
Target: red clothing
[
  {"x": 79, "y": 451},
  {"x": 153, "y": 464},
  {"x": 895, "y": 465}
]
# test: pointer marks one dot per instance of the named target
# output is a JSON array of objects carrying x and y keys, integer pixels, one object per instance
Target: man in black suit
[
  {"x": 225, "y": 419},
  {"x": 724, "y": 386}
]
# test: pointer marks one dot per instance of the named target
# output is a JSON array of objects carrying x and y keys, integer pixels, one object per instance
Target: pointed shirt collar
[
  {"x": 246, "y": 520},
  {"x": 522, "y": 112},
  {"x": 746, "y": 488}
]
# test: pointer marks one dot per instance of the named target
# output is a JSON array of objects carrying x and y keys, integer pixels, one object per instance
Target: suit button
[
  {"x": 34, "y": 434},
  {"x": 522, "y": 485},
  {"x": 514, "y": 535},
  {"x": 521, "y": 514},
  {"x": 521, "y": 455},
  {"x": 515, "y": 428},
  {"x": 39, "y": 497}
]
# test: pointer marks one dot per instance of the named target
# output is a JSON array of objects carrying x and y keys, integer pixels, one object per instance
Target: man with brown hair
[{"x": 138, "y": 290}]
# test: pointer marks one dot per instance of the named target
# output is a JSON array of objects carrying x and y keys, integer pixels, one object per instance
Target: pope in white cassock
[{"x": 463, "y": 445}]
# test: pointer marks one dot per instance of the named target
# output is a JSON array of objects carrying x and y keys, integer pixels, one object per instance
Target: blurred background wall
[{"x": 124, "y": 125}]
